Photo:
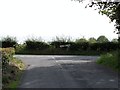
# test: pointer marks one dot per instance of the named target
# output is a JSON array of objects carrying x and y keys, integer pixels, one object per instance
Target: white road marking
[{"x": 73, "y": 61}]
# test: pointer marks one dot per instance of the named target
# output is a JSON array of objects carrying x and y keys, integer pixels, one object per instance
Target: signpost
[{"x": 65, "y": 46}]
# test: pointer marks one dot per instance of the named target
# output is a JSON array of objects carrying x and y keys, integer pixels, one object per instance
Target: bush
[
  {"x": 110, "y": 60},
  {"x": 20, "y": 48},
  {"x": 11, "y": 68},
  {"x": 7, "y": 55}
]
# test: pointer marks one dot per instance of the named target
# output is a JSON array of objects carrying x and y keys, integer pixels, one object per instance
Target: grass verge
[
  {"x": 15, "y": 83},
  {"x": 110, "y": 60},
  {"x": 13, "y": 74}
]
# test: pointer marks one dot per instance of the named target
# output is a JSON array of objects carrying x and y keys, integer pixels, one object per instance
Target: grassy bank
[
  {"x": 17, "y": 68},
  {"x": 12, "y": 68},
  {"x": 110, "y": 60}
]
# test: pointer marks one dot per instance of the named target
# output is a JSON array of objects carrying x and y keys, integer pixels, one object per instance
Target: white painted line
[
  {"x": 74, "y": 61},
  {"x": 53, "y": 57}
]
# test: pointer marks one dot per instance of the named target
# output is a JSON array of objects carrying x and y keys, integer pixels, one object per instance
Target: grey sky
[{"x": 50, "y": 18}]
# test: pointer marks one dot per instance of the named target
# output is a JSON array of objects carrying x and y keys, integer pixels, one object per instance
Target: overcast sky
[{"x": 50, "y": 18}]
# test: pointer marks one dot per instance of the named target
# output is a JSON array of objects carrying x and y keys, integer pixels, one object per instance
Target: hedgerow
[
  {"x": 60, "y": 45},
  {"x": 11, "y": 67},
  {"x": 36, "y": 45}
]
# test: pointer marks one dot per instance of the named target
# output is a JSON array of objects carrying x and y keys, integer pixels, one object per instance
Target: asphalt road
[{"x": 52, "y": 71}]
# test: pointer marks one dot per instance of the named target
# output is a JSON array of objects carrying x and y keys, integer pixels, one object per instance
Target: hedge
[
  {"x": 7, "y": 55},
  {"x": 36, "y": 45}
]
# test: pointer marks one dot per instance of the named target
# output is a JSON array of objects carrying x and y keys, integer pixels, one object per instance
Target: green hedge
[
  {"x": 7, "y": 55},
  {"x": 75, "y": 48},
  {"x": 79, "y": 46},
  {"x": 36, "y": 45}
]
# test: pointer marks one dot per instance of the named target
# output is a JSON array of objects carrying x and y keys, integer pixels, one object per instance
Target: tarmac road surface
[{"x": 52, "y": 71}]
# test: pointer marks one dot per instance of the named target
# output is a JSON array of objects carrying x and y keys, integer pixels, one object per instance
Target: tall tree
[{"x": 102, "y": 39}]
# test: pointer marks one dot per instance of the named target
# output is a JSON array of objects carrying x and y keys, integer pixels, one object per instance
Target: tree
[
  {"x": 9, "y": 42},
  {"x": 81, "y": 40},
  {"x": 102, "y": 39},
  {"x": 109, "y": 8},
  {"x": 92, "y": 40},
  {"x": 115, "y": 40}
]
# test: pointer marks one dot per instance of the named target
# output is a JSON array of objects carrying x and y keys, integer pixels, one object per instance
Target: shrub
[
  {"x": 11, "y": 68},
  {"x": 7, "y": 55},
  {"x": 110, "y": 60},
  {"x": 20, "y": 47}
]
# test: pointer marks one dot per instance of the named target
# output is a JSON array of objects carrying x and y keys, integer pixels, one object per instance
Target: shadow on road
[{"x": 69, "y": 75}]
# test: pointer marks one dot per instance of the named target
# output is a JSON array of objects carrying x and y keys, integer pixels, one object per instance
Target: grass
[
  {"x": 13, "y": 73},
  {"x": 12, "y": 68},
  {"x": 15, "y": 83},
  {"x": 110, "y": 60}
]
